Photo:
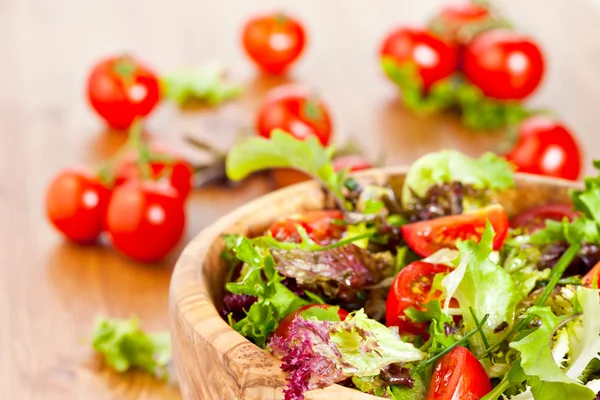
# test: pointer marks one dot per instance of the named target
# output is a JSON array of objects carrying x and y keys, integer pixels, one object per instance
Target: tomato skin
[
  {"x": 427, "y": 237},
  {"x": 504, "y": 64},
  {"x": 352, "y": 163},
  {"x": 121, "y": 89},
  {"x": 273, "y": 41},
  {"x": 297, "y": 111},
  {"x": 283, "y": 329},
  {"x": 459, "y": 375},
  {"x": 145, "y": 220},
  {"x": 319, "y": 226},
  {"x": 546, "y": 147},
  {"x": 76, "y": 202},
  {"x": 593, "y": 274},
  {"x": 433, "y": 57},
  {"x": 411, "y": 288},
  {"x": 180, "y": 177},
  {"x": 535, "y": 218}
]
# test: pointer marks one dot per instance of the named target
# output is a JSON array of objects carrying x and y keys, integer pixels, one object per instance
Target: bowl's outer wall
[{"x": 216, "y": 363}]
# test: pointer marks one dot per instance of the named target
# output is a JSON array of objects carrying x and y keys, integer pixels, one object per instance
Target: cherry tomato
[
  {"x": 412, "y": 288},
  {"x": 546, "y": 147},
  {"x": 121, "y": 89},
  {"x": 274, "y": 41},
  {"x": 352, "y": 163},
  {"x": 433, "y": 57},
  {"x": 535, "y": 218},
  {"x": 295, "y": 110},
  {"x": 455, "y": 17},
  {"x": 504, "y": 64},
  {"x": 319, "y": 225},
  {"x": 76, "y": 202},
  {"x": 145, "y": 219},
  {"x": 283, "y": 329},
  {"x": 427, "y": 237},
  {"x": 459, "y": 375},
  {"x": 176, "y": 171},
  {"x": 592, "y": 277}
]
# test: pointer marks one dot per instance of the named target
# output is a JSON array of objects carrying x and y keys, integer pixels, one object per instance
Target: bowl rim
[{"x": 188, "y": 292}]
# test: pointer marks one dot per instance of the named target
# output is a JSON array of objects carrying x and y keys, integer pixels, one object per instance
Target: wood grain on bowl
[{"x": 216, "y": 363}]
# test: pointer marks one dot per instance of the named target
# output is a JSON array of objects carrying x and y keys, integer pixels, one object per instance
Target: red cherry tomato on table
[
  {"x": 546, "y": 147},
  {"x": 455, "y": 17},
  {"x": 295, "y": 110},
  {"x": 319, "y": 225},
  {"x": 76, "y": 203},
  {"x": 175, "y": 170},
  {"x": 145, "y": 219},
  {"x": 412, "y": 288},
  {"x": 433, "y": 57},
  {"x": 283, "y": 329},
  {"x": 427, "y": 237},
  {"x": 352, "y": 163},
  {"x": 535, "y": 218},
  {"x": 504, "y": 64},
  {"x": 121, "y": 89},
  {"x": 459, "y": 375},
  {"x": 274, "y": 41}
]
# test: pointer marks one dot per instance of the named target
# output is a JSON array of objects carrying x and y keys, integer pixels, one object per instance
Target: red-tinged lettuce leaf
[
  {"x": 320, "y": 353},
  {"x": 339, "y": 272}
]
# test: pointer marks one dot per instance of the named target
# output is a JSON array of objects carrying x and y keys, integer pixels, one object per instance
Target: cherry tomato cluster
[{"x": 138, "y": 199}]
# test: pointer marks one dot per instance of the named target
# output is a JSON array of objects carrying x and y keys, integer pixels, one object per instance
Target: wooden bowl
[{"x": 216, "y": 363}]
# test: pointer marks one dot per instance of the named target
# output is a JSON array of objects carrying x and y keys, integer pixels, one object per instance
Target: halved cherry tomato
[
  {"x": 504, "y": 64},
  {"x": 274, "y": 41},
  {"x": 427, "y": 237},
  {"x": 319, "y": 225},
  {"x": 145, "y": 219},
  {"x": 352, "y": 163},
  {"x": 459, "y": 375},
  {"x": 412, "y": 288},
  {"x": 453, "y": 18},
  {"x": 173, "y": 169},
  {"x": 76, "y": 203},
  {"x": 297, "y": 111},
  {"x": 121, "y": 89},
  {"x": 592, "y": 275},
  {"x": 433, "y": 57},
  {"x": 283, "y": 329},
  {"x": 535, "y": 218},
  {"x": 546, "y": 147}
]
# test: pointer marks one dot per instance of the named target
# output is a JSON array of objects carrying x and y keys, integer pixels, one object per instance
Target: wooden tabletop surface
[{"x": 50, "y": 291}]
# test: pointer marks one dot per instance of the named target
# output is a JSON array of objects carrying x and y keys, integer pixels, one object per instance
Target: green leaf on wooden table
[{"x": 125, "y": 345}]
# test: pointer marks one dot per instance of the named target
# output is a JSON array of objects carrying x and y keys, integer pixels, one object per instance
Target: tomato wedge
[
  {"x": 592, "y": 275},
  {"x": 283, "y": 330},
  {"x": 412, "y": 288},
  {"x": 427, "y": 237},
  {"x": 535, "y": 218},
  {"x": 319, "y": 225},
  {"x": 459, "y": 375}
]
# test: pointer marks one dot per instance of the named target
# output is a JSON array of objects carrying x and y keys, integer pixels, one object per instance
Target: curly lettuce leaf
[
  {"x": 125, "y": 345},
  {"x": 282, "y": 150},
  {"x": 478, "y": 283},
  {"x": 321, "y": 353},
  {"x": 487, "y": 172},
  {"x": 585, "y": 337}
]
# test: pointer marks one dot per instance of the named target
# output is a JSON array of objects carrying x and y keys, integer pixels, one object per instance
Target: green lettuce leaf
[
  {"x": 417, "y": 392},
  {"x": 284, "y": 151},
  {"x": 478, "y": 283},
  {"x": 585, "y": 337},
  {"x": 125, "y": 345},
  {"x": 487, "y": 172},
  {"x": 203, "y": 84}
]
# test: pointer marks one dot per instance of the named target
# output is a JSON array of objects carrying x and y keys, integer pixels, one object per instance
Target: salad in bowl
[{"x": 422, "y": 288}]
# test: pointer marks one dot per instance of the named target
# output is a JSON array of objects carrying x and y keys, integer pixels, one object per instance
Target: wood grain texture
[
  {"x": 215, "y": 362},
  {"x": 50, "y": 291}
]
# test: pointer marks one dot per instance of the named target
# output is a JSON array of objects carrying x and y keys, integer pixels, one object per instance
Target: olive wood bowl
[{"x": 213, "y": 361}]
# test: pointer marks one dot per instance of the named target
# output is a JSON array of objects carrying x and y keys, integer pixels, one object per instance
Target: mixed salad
[{"x": 423, "y": 290}]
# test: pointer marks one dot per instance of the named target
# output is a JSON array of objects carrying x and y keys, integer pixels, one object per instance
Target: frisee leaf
[{"x": 125, "y": 345}]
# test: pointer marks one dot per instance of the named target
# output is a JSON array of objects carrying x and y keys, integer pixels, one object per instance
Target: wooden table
[{"x": 51, "y": 291}]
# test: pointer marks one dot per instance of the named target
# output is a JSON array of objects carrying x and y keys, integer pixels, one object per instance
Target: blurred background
[{"x": 51, "y": 290}]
